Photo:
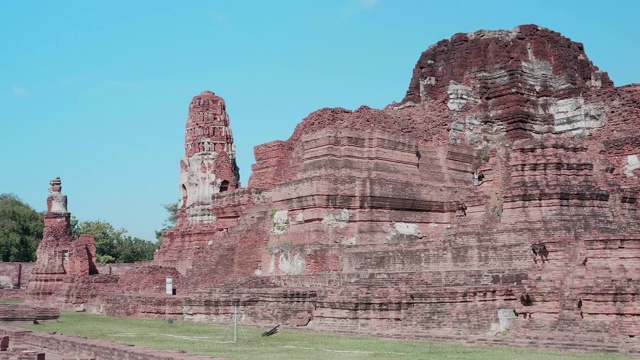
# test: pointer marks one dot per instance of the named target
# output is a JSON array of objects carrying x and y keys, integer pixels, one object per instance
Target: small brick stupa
[{"x": 60, "y": 259}]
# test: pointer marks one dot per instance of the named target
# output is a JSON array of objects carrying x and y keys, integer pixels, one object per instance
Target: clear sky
[{"x": 97, "y": 92}]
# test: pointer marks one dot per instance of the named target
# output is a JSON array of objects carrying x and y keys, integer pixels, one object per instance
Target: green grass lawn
[
  {"x": 215, "y": 340},
  {"x": 11, "y": 301}
]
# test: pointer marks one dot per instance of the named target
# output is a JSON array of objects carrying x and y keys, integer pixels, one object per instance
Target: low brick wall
[
  {"x": 21, "y": 355},
  {"x": 72, "y": 346},
  {"x": 116, "y": 269},
  {"x": 15, "y": 274},
  {"x": 21, "y": 312},
  {"x": 13, "y": 294}
]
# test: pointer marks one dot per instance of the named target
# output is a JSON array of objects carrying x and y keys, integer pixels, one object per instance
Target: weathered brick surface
[
  {"x": 17, "y": 294},
  {"x": 208, "y": 168},
  {"x": 114, "y": 269},
  {"x": 15, "y": 274},
  {"x": 489, "y": 57},
  {"x": 21, "y": 312},
  {"x": 148, "y": 279},
  {"x": 64, "y": 266},
  {"x": 271, "y": 162},
  {"x": 51, "y": 275},
  {"x": 82, "y": 257}
]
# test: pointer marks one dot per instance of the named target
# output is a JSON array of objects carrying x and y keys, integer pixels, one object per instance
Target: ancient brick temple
[
  {"x": 501, "y": 193},
  {"x": 209, "y": 165},
  {"x": 208, "y": 168},
  {"x": 61, "y": 262}
]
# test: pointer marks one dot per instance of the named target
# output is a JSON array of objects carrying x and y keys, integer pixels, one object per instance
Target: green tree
[
  {"x": 132, "y": 249},
  {"x": 113, "y": 245},
  {"x": 105, "y": 235},
  {"x": 21, "y": 229},
  {"x": 170, "y": 222}
]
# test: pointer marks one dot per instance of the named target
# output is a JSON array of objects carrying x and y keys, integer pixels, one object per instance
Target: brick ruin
[
  {"x": 62, "y": 262},
  {"x": 500, "y": 194},
  {"x": 208, "y": 168}
]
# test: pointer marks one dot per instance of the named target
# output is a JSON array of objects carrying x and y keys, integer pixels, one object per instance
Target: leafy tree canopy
[
  {"x": 113, "y": 245},
  {"x": 170, "y": 221},
  {"x": 21, "y": 229}
]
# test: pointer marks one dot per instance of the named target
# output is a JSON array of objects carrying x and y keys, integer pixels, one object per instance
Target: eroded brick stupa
[
  {"x": 209, "y": 165},
  {"x": 208, "y": 168},
  {"x": 61, "y": 260},
  {"x": 501, "y": 193}
]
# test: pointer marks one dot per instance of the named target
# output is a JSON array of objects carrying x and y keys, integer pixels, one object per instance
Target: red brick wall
[{"x": 16, "y": 273}]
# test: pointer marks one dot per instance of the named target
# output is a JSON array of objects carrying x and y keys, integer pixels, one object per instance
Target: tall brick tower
[
  {"x": 209, "y": 165},
  {"x": 207, "y": 168}
]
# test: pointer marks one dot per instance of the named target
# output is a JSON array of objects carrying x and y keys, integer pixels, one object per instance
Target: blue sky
[{"x": 97, "y": 92}]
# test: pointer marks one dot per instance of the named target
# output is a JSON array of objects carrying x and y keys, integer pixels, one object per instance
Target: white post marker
[{"x": 235, "y": 323}]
